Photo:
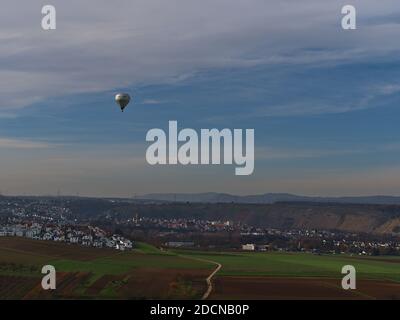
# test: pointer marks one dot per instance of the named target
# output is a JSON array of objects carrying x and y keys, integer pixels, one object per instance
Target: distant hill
[
  {"x": 300, "y": 213},
  {"x": 361, "y": 218},
  {"x": 267, "y": 198}
]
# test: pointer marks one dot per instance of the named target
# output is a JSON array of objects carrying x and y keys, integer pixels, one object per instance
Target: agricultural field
[
  {"x": 300, "y": 264},
  {"x": 89, "y": 273},
  {"x": 257, "y": 275},
  {"x": 149, "y": 273}
]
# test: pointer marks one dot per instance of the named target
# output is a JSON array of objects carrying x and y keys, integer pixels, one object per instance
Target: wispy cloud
[
  {"x": 23, "y": 144},
  {"x": 273, "y": 153},
  {"x": 153, "y": 101},
  {"x": 389, "y": 89},
  {"x": 8, "y": 115},
  {"x": 125, "y": 47},
  {"x": 366, "y": 97}
]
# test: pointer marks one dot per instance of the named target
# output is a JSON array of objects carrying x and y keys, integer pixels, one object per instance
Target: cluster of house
[
  {"x": 86, "y": 236},
  {"x": 318, "y": 241},
  {"x": 181, "y": 224}
]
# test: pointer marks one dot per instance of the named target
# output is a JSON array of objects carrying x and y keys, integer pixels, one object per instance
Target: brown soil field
[
  {"x": 15, "y": 287},
  {"x": 101, "y": 283},
  {"x": 70, "y": 282},
  {"x": 164, "y": 283},
  {"x": 268, "y": 288},
  {"x": 67, "y": 282},
  {"x": 52, "y": 249}
]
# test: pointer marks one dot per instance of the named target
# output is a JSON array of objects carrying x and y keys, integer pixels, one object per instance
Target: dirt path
[{"x": 210, "y": 277}]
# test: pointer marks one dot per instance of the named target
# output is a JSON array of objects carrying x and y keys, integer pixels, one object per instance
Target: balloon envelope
[{"x": 122, "y": 99}]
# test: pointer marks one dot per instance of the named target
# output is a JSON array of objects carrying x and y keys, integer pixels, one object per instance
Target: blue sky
[{"x": 324, "y": 102}]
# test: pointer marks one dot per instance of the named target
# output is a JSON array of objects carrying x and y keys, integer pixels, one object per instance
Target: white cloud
[{"x": 103, "y": 45}]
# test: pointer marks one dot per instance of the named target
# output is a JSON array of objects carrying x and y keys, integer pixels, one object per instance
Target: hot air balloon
[{"x": 122, "y": 99}]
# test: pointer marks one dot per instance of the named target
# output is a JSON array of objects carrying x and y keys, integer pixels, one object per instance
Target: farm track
[
  {"x": 210, "y": 277},
  {"x": 209, "y": 280}
]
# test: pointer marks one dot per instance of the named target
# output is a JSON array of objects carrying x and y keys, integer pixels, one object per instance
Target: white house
[{"x": 249, "y": 247}]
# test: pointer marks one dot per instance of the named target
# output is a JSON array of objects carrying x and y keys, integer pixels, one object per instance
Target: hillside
[
  {"x": 214, "y": 197},
  {"x": 368, "y": 218},
  {"x": 382, "y": 219}
]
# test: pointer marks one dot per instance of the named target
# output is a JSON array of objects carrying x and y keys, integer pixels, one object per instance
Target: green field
[
  {"x": 301, "y": 264},
  {"x": 147, "y": 272},
  {"x": 24, "y": 258}
]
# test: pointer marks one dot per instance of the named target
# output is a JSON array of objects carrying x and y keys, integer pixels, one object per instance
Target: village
[
  {"x": 85, "y": 236},
  {"x": 229, "y": 235},
  {"x": 56, "y": 219}
]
